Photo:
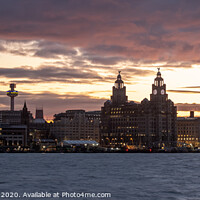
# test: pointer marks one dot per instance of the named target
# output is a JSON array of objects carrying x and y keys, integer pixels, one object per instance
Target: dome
[
  {"x": 158, "y": 73},
  {"x": 158, "y": 81},
  {"x": 119, "y": 83},
  {"x": 119, "y": 76}
]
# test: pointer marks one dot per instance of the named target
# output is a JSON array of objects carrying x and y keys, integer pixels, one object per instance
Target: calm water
[{"x": 125, "y": 176}]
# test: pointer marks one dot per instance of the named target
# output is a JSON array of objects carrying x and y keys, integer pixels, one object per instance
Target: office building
[
  {"x": 76, "y": 125},
  {"x": 188, "y": 130},
  {"x": 149, "y": 124}
]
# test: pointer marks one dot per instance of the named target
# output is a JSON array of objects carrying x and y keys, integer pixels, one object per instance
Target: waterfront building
[
  {"x": 14, "y": 127},
  {"x": 13, "y": 135},
  {"x": 20, "y": 128},
  {"x": 188, "y": 130},
  {"x": 76, "y": 125},
  {"x": 151, "y": 123}
]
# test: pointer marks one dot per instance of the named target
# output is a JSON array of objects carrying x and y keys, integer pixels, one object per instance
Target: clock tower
[
  {"x": 163, "y": 114},
  {"x": 159, "y": 89}
]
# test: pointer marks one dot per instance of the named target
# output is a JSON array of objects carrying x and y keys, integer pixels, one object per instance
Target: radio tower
[{"x": 12, "y": 93}]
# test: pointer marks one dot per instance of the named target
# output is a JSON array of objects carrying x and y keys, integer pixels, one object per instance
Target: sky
[{"x": 66, "y": 54}]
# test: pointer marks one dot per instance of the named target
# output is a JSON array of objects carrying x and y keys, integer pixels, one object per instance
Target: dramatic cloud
[
  {"x": 155, "y": 29},
  {"x": 70, "y": 74},
  {"x": 47, "y": 73},
  {"x": 87, "y": 42},
  {"x": 53, "y": 50}
]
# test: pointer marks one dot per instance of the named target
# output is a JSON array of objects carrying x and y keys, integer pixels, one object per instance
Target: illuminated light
[
  {"x": 126, "y": 150},
  {"x": 150, "y": 150},
  {"x": 50, "y": 121}
]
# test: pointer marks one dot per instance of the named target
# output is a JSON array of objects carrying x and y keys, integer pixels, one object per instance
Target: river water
[{"x": 128, "y": 176}]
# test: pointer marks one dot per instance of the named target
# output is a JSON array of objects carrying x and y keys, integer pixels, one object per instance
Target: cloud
[
  {"x": 184, "y": 91},
  {"x": 53, "y": 50},
  {"x": 82, "y": 74},
  {"x": 89, "y": 41},
  {"x": 188, "y": 107},
  {"x": 154, "y": 30},
  {"x": 2, "y": 48},
  {"x": 105, "y": 60},
  {"x": 48, "y": 73},
  {"x": 192, "y": 87},
  {"x": 109, "y": 50}
]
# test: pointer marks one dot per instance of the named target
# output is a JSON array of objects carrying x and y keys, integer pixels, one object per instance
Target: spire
[
  {"x": 25, "y": 104},
  {"x": 25, "y": 107}
]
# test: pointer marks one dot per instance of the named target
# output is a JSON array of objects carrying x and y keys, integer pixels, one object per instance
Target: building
[
  {"x": 39, "y": 128},
  {"x": 19, "y": 127},
  {"x": 76, "y": 125},
  {"x": 13, "y": 135},
  {"x": 39, "y": 117},
  {"x": 14, "y": 127},
  {"x": 10, "y": 117},
  {"x": 44, "y": 145},
  {"x": 12, "y": 132},
  {"x": 188, "y": 130},
  {"x": 146, "y": 124}
]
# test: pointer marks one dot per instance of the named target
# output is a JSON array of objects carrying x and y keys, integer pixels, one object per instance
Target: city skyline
[{"x": 66, "y": 55}]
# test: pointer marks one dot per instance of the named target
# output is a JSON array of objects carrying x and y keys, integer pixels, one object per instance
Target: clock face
[
  {"x": 162, "y": 91},
  {"x": 155, "y": 92}
]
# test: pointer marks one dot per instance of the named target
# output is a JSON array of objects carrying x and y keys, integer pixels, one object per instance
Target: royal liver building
[{"x": 150, "y": 124}]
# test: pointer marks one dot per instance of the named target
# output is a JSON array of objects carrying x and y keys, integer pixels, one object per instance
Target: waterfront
[{"x": 125, "y": 176}]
